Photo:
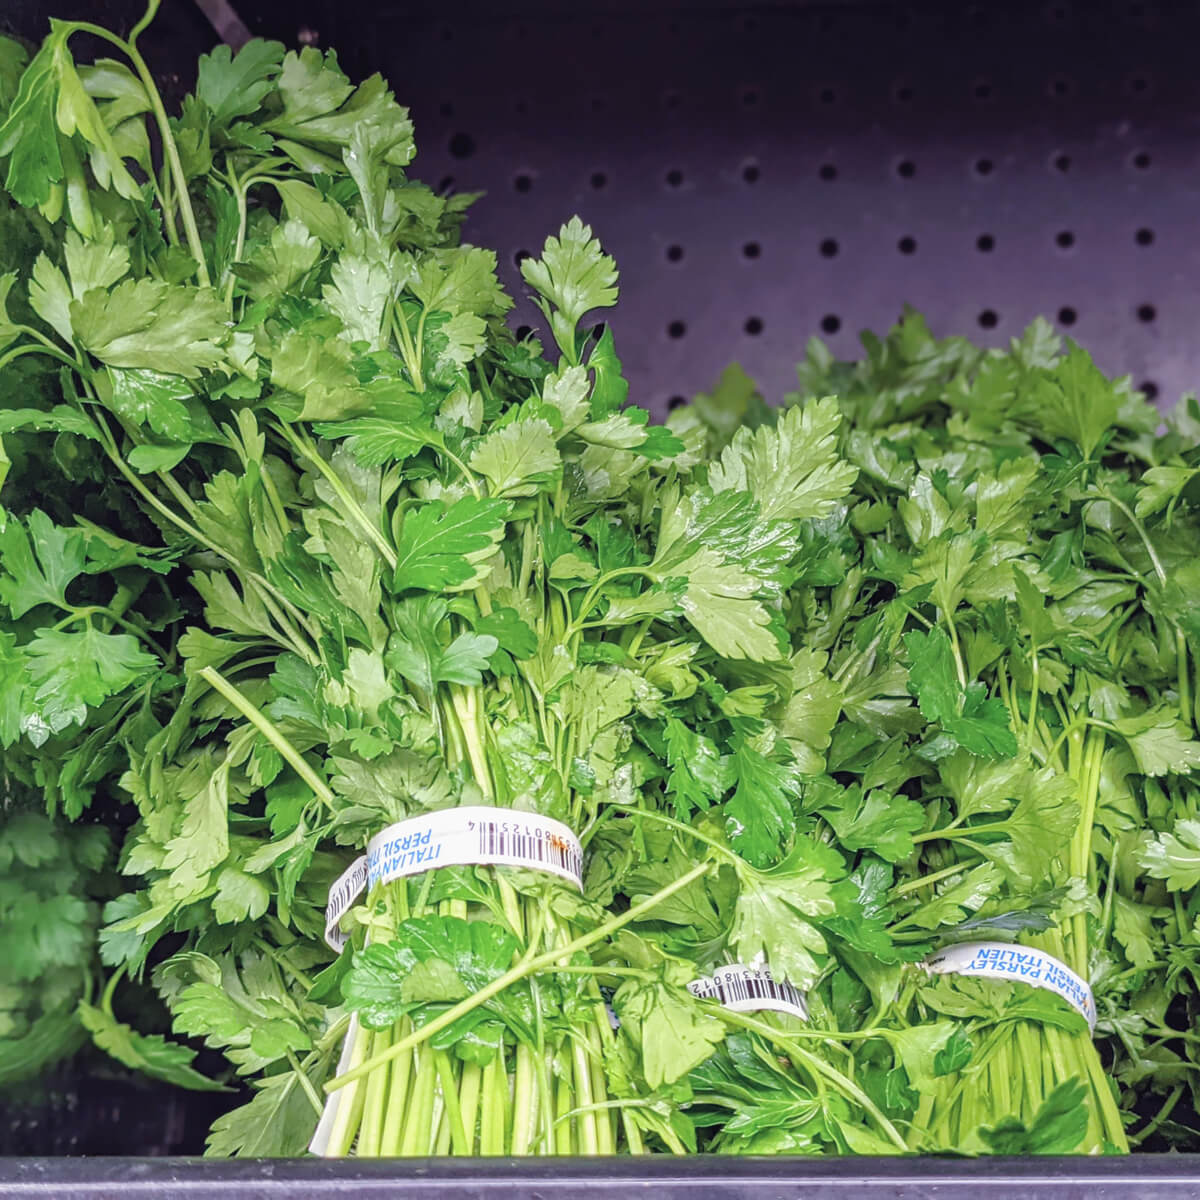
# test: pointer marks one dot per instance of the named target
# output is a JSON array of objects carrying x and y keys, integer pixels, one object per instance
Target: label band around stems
[
  {"x": 475, "y": 835},
  {"x": 1016, "y": 964},
  {"x": 740, "y": 988}
]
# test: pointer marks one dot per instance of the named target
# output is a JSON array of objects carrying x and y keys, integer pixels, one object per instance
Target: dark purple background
[{"x": 746, "y": 164}]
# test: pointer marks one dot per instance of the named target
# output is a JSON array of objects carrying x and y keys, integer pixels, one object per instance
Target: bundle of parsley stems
[
  {"x": 904, "y": 663},
  {"x": 421, "y": 565},
  {"x": 1035, "y": 534}
]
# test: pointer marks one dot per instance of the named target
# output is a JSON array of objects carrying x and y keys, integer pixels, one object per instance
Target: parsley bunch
[
  {"x": 50, "y": 911},
  {"x": 997, "y": 633},
  {"x": 415, "y": 563}
]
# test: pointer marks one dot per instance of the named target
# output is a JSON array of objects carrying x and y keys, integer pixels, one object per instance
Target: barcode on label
[
  {"x": 474, "y": 834},
  {"x": 748, "y": 989},
  {"x": 345, "y": 890},
  {"x": 533, "y": 846}
]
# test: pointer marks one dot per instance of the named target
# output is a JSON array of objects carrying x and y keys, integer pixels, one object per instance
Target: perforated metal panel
[
  {"x": 762, "y": 173},
  {"x": 766, "y": 172}
]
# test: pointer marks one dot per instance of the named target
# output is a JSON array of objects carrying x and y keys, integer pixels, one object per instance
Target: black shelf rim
[{"x": 708, "y": 1175}]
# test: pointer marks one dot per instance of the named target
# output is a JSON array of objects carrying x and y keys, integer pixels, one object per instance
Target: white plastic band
[
  {"x": 1018, "y": 964},
  {"x": 750, "y": 989},
  {"x": 475, "y": 836},
  {"x": 345, "y": 890},
  {"x": 320, "y": 1139}
]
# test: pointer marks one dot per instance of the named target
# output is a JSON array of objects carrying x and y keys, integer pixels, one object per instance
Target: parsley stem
[
  {"x": 465, "y": 702},
  {"x": 1181, "y": 651},
  {"x": 152, "y": 7},
  {"x": 51, "y": 351},
  {"x": 304, "y": 448},
  {"x": 110, "y": 988},
  {"x": 1163, "y": 1113},
  {"x": 815, "y": 1065},
  {"x": 268, "y": 729},
  {"x": 921, "y": 881},
  {"x": 954, "y": 644},
  {"x": 671, "y": 823},
  {"x": 948, "y": 833},
  {"x": 450, "y": 1097},
  {"x": 593, "y": 593},
  {"x": 403, "y": 335},
  {"x": 468, "y": 478},
  {"x": 307, "y": 1084},
  {"x": 621, "y": 972},
  {"x": 170, "y": 150},
  {"x": 528, "y": 965},
  {"x": 266, "y": 591}
]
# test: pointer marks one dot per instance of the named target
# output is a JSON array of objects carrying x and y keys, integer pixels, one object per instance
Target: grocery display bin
[{"x": 762, "y": 173}]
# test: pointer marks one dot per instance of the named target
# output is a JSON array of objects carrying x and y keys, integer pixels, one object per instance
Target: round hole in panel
[
  {"x": 676, "y": 330},
  {"x": 523, "y": 331},
  {"x": 828, "y": 172},
  {"x": 829, "y": 248},
  {"x": 751, "y": 250},
  {"x": 520, "y": 257},
  {"x": 827, "y": 95},
  {"x": 902, "y": 93},
  {"x": 983, "y": 167},
  {"x": 1146, "y": 313},
  {"x": 831, "y": 323},
  {"x": 988, "y": 319},
  {"x": 462, "y": 145},
  {"x": 751, "y": 173},
  {"x": 599, "y": 180},
  {"x": 753, "y": 326},
  {"x": 907, "y": 245},
  {"x": 1067, "y": 316},
  {"x": 982, "y": 89},
  {"x": 522, "y": 183},
  {"x": 1064, "y": 239},
  {"x": 1140, "y": 161},
  {"x": 676, "y": 402},
  {"x": 445, "y": 183},
  {"x": 671, "y": 99},
  {"x": 674, "y": 177},
  {"x": 674, "y": 253},
  {"x": 1061, "y": 162},
  {"x": 985, "y": 243},
  {"x": 751, "y": 97},
  {"x": 1144, "y": 237},
  {"x": 1149, "y": 388},
  {"x": 1060, "y": 87},
  {"x": 906, "y": 168}
]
